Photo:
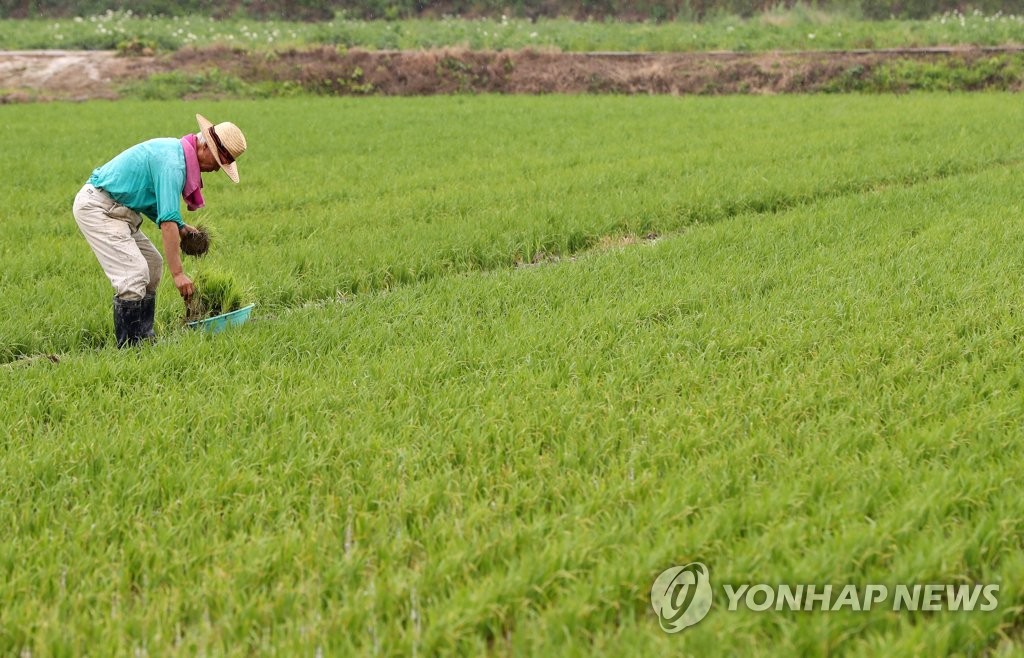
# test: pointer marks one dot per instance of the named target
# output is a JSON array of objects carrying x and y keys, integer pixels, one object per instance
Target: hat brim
[{"x": 230, "y": 169}]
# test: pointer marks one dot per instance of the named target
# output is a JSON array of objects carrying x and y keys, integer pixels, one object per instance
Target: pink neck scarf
[{"x": 192, "y": 193}]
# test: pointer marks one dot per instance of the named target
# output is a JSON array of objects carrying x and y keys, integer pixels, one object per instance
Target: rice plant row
[{"x": 341, "y": 197}]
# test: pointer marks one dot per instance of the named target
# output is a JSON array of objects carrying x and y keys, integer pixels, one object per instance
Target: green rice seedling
[{"x": 216, "y": 292}]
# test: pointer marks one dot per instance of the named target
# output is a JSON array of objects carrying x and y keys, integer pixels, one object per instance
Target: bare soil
[
  {"x": 83, "y": 75},
  {"x": 66, "y": 74}
]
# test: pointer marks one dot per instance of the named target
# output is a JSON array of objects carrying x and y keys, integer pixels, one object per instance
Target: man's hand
[
  {"x": 184, "y": 285},
  {"x": 186, "y": 229}
]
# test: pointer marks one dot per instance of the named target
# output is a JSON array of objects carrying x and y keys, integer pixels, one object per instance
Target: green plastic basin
[{"x": 219, "y": 323}]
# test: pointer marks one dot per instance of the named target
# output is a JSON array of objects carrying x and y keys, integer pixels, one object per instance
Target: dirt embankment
[{"x": 46, "y": 75}]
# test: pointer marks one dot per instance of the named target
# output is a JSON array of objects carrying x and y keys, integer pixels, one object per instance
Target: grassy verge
[
  {"x": 211, "y": 83},
  {"x": 797, "y": 29},
  {"x": 1000, "y": 72}
]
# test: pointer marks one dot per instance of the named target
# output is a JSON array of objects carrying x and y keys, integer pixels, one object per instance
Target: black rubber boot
[
  {"x": 128, "y": 321},
  {"x": 148, "y": 314}
]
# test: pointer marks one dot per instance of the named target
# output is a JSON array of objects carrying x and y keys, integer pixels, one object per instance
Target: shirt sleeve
[{"x": 168, "y": 182}]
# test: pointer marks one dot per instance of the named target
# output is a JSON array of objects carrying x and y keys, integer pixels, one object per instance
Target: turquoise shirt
[{"x": 148, "y": 178}]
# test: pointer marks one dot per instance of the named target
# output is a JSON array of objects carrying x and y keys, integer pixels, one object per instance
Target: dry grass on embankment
[{"x": 224, "y": 72}]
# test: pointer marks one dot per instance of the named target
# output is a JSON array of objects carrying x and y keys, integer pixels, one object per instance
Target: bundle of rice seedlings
[
  {"x": 197, "y": 243},
  {"x": 216, "y": 293}
]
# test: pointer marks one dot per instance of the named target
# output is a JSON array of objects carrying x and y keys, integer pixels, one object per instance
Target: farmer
[{"x": 150, "y": 179}]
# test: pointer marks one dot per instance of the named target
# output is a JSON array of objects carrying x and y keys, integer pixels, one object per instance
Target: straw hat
[{"x": 226, "y": 142}]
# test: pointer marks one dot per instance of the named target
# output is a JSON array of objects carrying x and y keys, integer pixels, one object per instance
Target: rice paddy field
[{"x": 513, "y": 357}]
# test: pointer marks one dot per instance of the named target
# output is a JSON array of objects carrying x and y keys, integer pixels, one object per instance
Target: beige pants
[{"x": 128, "y": 258}]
